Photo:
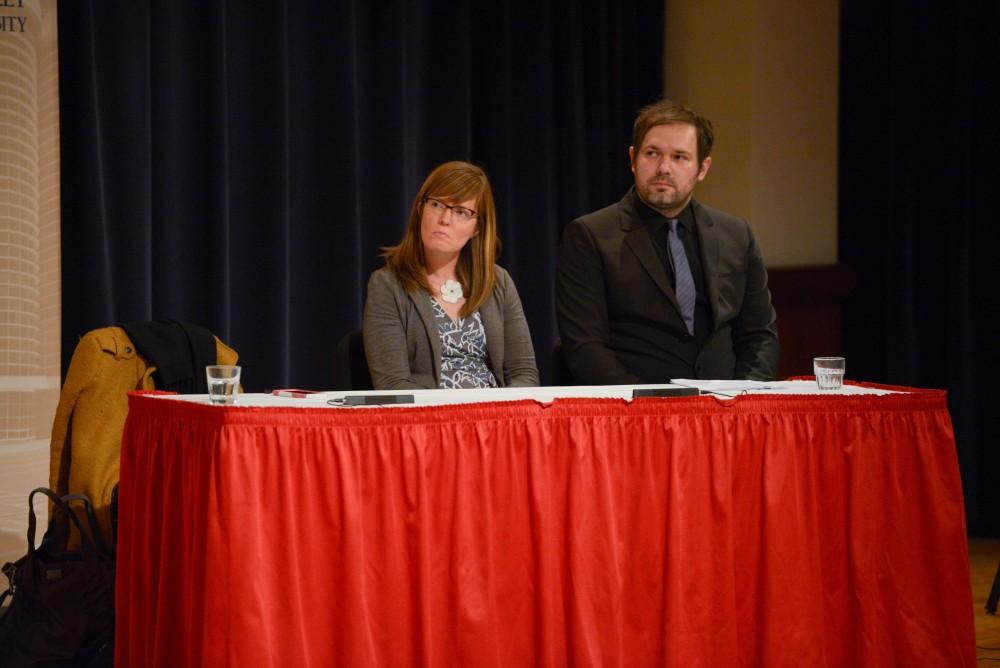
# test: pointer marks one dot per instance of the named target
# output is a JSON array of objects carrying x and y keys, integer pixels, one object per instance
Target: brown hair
[
  {"x": 452, "y": 182},
  {"x": 667, "y": 112}
]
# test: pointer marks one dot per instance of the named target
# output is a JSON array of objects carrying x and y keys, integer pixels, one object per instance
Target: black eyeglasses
[{"x": 439, "y": 207}]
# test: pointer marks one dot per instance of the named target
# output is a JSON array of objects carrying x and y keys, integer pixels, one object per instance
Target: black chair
[
  {"x": 991, "y": 602},
  {"x": 350, "y": 366},
  {"x": 561, "y": 374}
]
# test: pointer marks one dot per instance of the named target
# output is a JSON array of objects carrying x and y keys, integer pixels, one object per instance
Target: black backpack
[{"x": 61, "y": 611}]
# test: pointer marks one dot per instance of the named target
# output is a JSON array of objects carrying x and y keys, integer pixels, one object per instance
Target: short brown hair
[
  {"x": 454, "y": 181},
  {"x": 667, "y": 112}
]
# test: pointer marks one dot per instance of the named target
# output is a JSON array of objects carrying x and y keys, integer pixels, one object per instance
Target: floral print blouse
[{"x": 464, "y": 363}]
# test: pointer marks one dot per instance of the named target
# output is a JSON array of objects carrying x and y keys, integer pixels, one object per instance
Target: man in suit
[{"x": 658, "y": 285}]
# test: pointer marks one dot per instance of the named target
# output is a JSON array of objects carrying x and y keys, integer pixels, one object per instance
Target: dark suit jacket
[
  {"x": 403, "y": 346},
  {"x": 618, "y": 314}
]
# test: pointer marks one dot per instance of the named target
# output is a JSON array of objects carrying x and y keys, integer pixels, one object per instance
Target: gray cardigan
[{"x": 404, "y": 349}]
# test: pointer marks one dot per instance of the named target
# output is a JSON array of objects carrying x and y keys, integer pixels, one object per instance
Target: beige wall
[
  {"x": 29, "y": 220},
  {"x": 29, "y": 258},
  {"x": 765, "y": 72}
]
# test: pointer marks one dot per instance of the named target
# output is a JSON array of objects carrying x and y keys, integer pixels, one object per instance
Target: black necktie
[{"x": 683, "y": 281}]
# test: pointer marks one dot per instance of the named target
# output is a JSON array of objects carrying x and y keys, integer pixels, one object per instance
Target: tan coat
[{"x": 90, "y": 417}]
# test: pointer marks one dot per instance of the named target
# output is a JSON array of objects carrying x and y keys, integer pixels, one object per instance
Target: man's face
[{"x": 666, "y": 167}]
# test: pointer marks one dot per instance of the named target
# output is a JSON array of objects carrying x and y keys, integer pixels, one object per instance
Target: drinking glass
[
  {"x": 223, "y": 383},
  {"x": 829, "y": 372}
]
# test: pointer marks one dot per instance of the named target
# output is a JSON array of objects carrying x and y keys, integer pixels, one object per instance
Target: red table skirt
[{"x": 761, "y": 531}]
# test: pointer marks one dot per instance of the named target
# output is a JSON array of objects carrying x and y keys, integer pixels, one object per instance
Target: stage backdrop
[
  {"x": 239, "y": 166},
  {"x": 918, "y": 148}
]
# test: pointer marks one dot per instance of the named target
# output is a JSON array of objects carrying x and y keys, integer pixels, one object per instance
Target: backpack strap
[{"x": 90, "y": 549}]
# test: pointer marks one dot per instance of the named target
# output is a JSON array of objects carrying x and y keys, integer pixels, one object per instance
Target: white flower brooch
[{"x": 451, "y": 291}]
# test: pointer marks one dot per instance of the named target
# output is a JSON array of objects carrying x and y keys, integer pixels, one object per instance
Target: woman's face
[{"x": 445, "y": 227}]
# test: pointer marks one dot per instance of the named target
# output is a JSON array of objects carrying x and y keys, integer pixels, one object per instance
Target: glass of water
[
  {"x": 829, "y": 372},
  {"x": 223, "y": 383}
]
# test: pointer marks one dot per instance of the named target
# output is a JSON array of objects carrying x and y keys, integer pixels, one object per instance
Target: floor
[{"x": 984, "y": 557}]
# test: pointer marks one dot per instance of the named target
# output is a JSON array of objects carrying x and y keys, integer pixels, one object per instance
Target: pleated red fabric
[{"x": 759, "y": 531}]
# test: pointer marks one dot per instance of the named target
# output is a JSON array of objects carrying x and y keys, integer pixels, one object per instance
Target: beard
[{"x": 660, "y": 199}]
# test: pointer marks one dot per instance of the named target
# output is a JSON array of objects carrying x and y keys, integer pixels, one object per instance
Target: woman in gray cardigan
[{"x": 441, "y": 313}]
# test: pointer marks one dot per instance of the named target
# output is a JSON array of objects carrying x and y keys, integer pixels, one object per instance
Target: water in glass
[{"x": 222, "y": 390}]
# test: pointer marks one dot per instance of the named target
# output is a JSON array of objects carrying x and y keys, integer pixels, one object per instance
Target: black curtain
[
  {"x": 238, "y": 164},
  {"x": 918, "y": 144}
]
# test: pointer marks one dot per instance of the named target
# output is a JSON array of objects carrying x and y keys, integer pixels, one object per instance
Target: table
[{"x": 765, "y": 530}]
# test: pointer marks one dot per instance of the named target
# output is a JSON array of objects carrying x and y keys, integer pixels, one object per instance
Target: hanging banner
[{"x": 29, "y": 255}]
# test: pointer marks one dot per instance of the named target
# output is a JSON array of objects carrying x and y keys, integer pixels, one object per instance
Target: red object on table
[{"x": 760, "y": 531}]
